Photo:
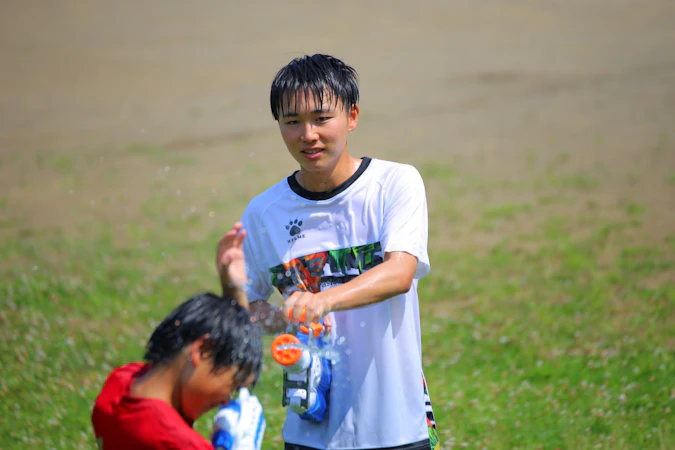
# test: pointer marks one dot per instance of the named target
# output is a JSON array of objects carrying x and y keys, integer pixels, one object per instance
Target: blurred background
[{"x": 132, "y": 134}]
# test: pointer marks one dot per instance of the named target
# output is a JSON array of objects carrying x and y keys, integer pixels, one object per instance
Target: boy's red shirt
[{"x": 133, "y": 423}]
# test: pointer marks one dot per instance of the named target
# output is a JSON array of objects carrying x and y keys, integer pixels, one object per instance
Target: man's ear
[
  {"x": 197, "y": 351},
  {"x": 353, "y": 117}
]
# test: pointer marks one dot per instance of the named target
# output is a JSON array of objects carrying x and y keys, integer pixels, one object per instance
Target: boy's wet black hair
[
  {"x": 319, "y": 75},
  {"x": 233, "y": 338}
]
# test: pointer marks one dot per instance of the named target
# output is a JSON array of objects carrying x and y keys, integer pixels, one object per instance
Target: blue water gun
[
  {"x": 306, "y": 374},
  {"x": 239, "y": 425}
]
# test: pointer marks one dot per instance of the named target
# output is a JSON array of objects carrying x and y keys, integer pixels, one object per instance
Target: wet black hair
[
  {"x": 233, "y": 338},
  {"x": 319, "y": 75}
]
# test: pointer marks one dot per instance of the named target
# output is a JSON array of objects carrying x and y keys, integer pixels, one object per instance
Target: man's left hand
[{"x": 315, "y": 307}]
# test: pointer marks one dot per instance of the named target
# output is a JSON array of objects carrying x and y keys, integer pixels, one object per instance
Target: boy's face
[
  {"x": 316, "y": 134},
  {"x": 204, "y": 389}
]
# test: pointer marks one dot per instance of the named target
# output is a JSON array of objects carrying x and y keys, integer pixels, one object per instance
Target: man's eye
[
  {"x": 323, "y": 119},
  {"x": 292, "y": 122}
]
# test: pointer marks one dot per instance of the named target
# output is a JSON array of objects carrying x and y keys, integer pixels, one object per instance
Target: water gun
[
  {"x": 306, "y": 374},
  {"x": 239, "y": 425}
]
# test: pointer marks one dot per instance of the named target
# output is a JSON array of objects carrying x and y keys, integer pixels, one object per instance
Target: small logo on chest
[{"x": 294, "y": 229}]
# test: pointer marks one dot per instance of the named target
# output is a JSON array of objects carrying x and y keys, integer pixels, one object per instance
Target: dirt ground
[{"x": 501, "y": 90}]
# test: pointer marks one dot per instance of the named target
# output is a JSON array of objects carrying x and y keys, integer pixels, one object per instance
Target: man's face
[
  {"x": 316, "y": 134},
  {"x": 204, "y": 389}
]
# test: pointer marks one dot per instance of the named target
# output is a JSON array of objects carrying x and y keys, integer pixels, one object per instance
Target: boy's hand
[
  {"x": 231, "y": 265},
  {"x": 314, "y": 306}
]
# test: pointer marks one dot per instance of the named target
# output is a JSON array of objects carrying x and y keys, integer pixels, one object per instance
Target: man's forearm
[
  {"x": 230, "y": 290},
  {"x": 391, "y": 278}
]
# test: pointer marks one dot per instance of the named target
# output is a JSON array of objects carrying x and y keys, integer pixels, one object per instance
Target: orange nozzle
[{"x": 287, "y": 356}]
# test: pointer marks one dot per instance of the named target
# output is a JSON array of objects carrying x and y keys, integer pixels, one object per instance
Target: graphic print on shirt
[{"x": 318, "y": 271}]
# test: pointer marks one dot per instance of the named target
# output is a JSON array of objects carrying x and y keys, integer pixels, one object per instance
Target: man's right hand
[{"x": 231, "y": 265}]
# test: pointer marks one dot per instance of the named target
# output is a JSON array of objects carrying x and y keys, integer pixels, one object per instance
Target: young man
[
  {"x": 345, "y": 239},
  {"x": 201, "y": 353}
]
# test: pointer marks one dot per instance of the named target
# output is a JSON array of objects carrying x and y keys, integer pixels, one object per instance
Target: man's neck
[{"x": 331, "y": 178}]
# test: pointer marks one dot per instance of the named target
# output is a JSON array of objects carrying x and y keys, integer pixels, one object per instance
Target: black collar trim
[{"x": 326, "y": 195}]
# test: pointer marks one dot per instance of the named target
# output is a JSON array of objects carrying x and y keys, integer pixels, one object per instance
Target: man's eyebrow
[{"x": 316, "y": 111}]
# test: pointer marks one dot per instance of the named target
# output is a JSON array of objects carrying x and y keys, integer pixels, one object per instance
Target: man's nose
[{"x": 308, "y": 133}]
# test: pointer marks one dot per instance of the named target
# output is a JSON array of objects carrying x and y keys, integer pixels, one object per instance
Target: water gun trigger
[{"x": 317, "y": 328}]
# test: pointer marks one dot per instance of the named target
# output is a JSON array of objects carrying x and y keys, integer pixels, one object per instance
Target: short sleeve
[
  {"x": 259, "y": 285},
  {"x": 405, "y": 221}
]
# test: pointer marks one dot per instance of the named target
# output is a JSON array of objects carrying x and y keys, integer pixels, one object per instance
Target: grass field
[
  {"x": 542, "y": 328},
  {"x": 134, "y": 133}
]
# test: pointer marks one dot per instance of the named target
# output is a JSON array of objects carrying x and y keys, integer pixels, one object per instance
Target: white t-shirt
[{"x": 302, "y": 240}]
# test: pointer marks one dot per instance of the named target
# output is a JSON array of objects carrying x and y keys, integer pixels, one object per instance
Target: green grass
[
  {"x": 634, "y": 209},
  {"x": 549, "y": 343},
  {"x": 558, "y": 337},
  {"x": 579, "y": 181},
  {"x": 161, "y": 155},
  {"x": 505, "y": 210},
  {"x": 61, "y": 163}
]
